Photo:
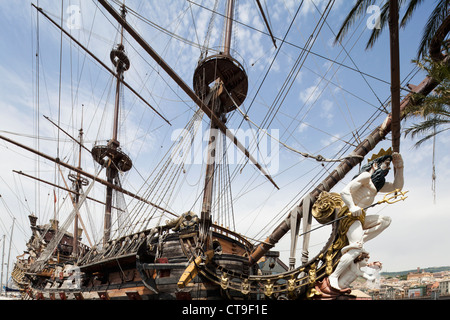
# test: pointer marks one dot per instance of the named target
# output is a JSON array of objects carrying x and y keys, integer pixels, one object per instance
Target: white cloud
[
  {"x": 326, "y": 111},
  {"x": 302, "y": 127},
  {"x": 310, "y": 94}
]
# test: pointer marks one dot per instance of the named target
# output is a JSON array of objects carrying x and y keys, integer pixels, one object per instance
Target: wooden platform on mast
[{"x": 230, "y": 72}]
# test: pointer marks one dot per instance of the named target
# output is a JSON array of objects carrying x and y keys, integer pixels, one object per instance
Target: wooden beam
[
  {"x": 267, "y": 23},
  {"x": 86, "y": 174},
  {"x": 60, "y": 187},
  {"x": 192, "y": 270}
]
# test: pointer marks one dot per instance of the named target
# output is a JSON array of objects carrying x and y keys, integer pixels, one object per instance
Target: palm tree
[
  {"x": 436, "y": 18},
  {"x": 434, "y": 108}
]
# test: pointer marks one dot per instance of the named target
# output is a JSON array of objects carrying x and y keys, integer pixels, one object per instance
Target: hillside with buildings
[{"x": 428, "y": 283}]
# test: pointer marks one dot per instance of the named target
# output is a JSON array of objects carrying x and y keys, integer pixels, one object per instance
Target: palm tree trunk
[{"x": 395, "y": 74}]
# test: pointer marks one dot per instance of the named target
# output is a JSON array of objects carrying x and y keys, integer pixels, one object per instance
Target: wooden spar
[
  {"x": 228, "y": 27},
  {"x": 267, "y": 23},
  {"x": 192, "y": 270},
  {"x": 424, "y": 88},
  {"x": 61, "y": 187},
  {"x": 205, "y": 219},
  {"x": 86, "y": 174},
  {"x": 70, "y": 136},
  {"x": 213, "y": 101},
  {"x": 102, "y": 64},
  {"x": 159, "y": 60},
  {"x": 75, "y": 203},
  {"x": 113, "y": 144},
  {"x": 78, "y": 183},
  {"x": 395, "y": 74}
]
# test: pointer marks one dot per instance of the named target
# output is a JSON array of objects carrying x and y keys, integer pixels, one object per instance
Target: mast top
[
  {"x": 224, "y": 70},
  {"x": 110, "y": 155}
]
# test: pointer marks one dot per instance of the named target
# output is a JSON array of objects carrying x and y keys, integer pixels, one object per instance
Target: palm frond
[
  {"x": 435, "y": 20},
  {"x": 359, "y": 8},
  {"x": 413, "y": 4},
  {"x": 376, "y": 32},
  {"x": 428, "y": 137},
  {"x": 426, "y": 126}
]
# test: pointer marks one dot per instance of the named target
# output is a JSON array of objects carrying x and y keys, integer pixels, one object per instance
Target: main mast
[
  {"x": 221, "y": 83},
  {"x": 110, "y": 156}
]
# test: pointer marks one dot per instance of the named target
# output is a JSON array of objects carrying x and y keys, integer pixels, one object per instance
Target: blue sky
[{"x": 326, "y": 102}]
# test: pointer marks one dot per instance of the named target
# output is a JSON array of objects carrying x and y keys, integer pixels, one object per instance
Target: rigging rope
[
  {"x": 304, "y": 154},
  {"x": 165, "y": 175},
  {"x": 294, "y": 45},
  {"x": 299, "y": 196},
  {"x": 52, "y": 245},
  {"x": 433, "y": 175},
  {"x": 319, "y": 157}
]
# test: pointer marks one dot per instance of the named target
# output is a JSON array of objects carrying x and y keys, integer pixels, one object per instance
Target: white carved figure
[
  {"x": 361, "y": 193},
  {"x": 373, "y": 269},
  {"x": 355, "y": 269}
]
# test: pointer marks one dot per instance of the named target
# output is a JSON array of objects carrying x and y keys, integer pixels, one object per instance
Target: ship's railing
[{"x": 231, "y": 234}]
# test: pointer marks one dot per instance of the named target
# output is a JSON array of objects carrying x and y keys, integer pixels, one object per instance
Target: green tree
[
  {"x": 433, "y": 108},
  {"x": 436, "y": 18}
]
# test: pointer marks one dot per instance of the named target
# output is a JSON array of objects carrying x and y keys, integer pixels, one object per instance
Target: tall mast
[
  {"x": 110, "y": 155},
  {"x": 118, "y": 59},
  {"x": 3, "y": 262},
  {"x": 9, "y": 252},
  {"x": 228, "y": 27},
  {"x": 221, "y": 82},
  {"x": 77, "y": 198},
  {"x": 78, "y": 182}
]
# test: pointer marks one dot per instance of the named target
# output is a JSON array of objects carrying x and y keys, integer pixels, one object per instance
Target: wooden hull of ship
[
  {"x": 134, "y": 268},
  {"x": 151, "y": 270}
]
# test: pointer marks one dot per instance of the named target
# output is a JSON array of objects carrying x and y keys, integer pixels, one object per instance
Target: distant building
[
  {"x": 421, "y": 276},
  {"x": 389, "y": 292},
  {"x": 271, "y": 264},
  {"x": 417, "y": 292},
  {"x": 432, "y": 287},
  {"x": 444, "y": 287},
  {"x": 441, "y": 274}
]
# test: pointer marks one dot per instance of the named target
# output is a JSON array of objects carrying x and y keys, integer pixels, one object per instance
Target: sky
[{"x": 317, "y": 102}]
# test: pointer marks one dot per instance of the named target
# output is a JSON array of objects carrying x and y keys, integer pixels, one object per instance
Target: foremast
[
  {"x": 78, "y": 181},
  {"x": 110, "y": 156}
]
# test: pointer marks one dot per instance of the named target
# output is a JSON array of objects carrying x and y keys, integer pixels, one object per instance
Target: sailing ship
[{"x": 189, "y": 255}]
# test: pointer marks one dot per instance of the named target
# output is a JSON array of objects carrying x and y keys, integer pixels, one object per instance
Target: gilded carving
[
  {"x": 329, "y": 261},
  {"x": 324, "y": 207},
  {"x": 245, "y": 287},
  {"x": 312, "y": 274},
  {"x": 224, "y": 281},
  {"x": 291, "y": 284},
  {"x": 268, "y": 288}
]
